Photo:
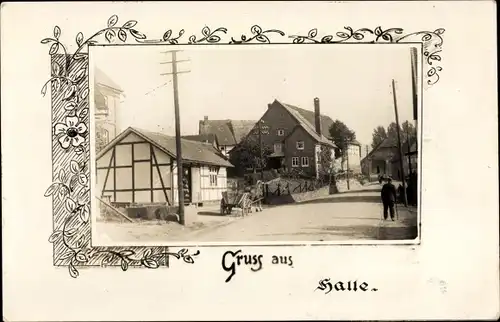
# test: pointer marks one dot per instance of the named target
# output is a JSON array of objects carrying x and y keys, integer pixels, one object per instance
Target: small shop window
[{"x": 212, "y": 173}]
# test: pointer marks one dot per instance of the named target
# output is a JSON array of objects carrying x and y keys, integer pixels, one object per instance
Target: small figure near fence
[{"x": 257, "y": 195}]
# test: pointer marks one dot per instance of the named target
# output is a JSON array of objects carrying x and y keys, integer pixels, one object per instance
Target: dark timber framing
[
  {"x": 153, "y": 163},
  {"x": 107, "y": 172},
  {"x": 153, "y": 156}
]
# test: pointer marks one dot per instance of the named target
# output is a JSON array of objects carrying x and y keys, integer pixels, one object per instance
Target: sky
[{"x": 353, "y": 83}]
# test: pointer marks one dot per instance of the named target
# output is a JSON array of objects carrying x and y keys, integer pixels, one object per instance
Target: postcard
[{"x": 249, "y": 161}]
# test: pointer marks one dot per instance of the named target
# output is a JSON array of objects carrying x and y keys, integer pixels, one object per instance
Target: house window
[
  {"x": 105, "y": 135},
  {"x": 305, "y": 161},
  {"x": 281, "y": 132},
  {"x": 222, "y": 148},
  {"x": 278, "y": 148},
  {"x": 300, "y": 145},
  {"x": 295, "y": 161},
  {"x": 212, "y": 173}
]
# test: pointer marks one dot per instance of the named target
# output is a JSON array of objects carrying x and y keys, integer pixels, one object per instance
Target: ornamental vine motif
[
  {"x": 70, "y": 188},
  {"x": 69, "y": 86},
  {"x": 259, "y": 35},
  {"x": 432, "y": 42}
]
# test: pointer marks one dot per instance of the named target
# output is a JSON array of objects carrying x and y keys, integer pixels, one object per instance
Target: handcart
[{"x": 235, "y": 199}]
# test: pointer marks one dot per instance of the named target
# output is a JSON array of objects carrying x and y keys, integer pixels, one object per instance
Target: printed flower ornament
[{"x": 71, "y": 132}]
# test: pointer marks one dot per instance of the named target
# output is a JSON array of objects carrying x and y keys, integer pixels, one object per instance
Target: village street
[{"x": 352, "y": 215}]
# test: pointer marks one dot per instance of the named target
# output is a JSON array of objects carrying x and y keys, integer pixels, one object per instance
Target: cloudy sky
[{"x": 353, "y": 83}]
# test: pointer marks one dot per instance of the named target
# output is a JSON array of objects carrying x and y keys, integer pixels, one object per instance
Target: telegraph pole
[
  {"x": 178, "y": 150},
  {"x": 413, "y": 54},
  {"x": 408, "y": 149},
  {"x": 399, "y": 143},
  {"x": 261, "y": 152}
]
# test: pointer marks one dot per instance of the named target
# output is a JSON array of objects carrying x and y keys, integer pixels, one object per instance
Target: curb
[{"x": 222, "y": 224}]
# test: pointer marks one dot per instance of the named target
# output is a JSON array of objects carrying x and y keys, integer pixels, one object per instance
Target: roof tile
[
  {"x": 192, "y": 151},
  {"x": 227, "y": 132},
  {"x": 305, "y": 124}
]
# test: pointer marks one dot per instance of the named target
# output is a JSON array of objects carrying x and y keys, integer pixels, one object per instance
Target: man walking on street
[{"x": 388, "y": 195}]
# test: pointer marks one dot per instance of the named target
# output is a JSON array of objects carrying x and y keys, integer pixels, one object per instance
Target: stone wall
[
  {"x": 309, "y": 195},
  {"x": 298, "y": 197}
]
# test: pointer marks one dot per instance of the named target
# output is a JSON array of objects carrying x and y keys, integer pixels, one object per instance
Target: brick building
[{"x": 295, "y": 136}]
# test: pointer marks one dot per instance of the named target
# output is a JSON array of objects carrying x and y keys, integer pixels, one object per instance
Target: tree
[
  {"x": 326, "y": 169},
  {"x": 409, "y": 132},
  {"x": 247, "y": 155},
  {"x": 392, "y": 133},
  {"x": 341, "y": 134},
  {"x": 379, "y": 135}
]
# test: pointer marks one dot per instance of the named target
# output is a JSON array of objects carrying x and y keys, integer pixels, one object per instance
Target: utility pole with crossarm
[{"x": 178, "y": 150}]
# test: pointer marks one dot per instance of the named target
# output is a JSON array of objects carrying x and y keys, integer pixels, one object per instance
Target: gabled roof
[
  {"x": 227, "y": 132},
  {"x": 101, "y": 78},
  {"x": 241, "y": 128},
  {"x": 309, "y": 116},
  {"x": 305, "y": 124},
  {"x": 390, "y": 144},
  {"x": 192, "y": 151},
  {"x": 386, "y": 143},
  {"x": 209, "y": 138},
  {"x": 325, "y": 120}
]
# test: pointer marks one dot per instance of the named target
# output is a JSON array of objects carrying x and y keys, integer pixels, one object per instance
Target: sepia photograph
[
  {"x": 304, "y": 157},
  {"x": 250, "y": 144}
]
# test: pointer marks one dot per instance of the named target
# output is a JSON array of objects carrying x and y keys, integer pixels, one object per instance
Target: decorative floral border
[{"x": 69, "y": 87}]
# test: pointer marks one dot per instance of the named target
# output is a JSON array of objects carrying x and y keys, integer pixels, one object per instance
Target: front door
[
  {"x": 186, "y": 179},
  {"x": 275, "y": 163}
]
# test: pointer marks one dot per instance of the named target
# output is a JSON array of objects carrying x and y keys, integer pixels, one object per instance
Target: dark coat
[{"x": 388, "y": 193}]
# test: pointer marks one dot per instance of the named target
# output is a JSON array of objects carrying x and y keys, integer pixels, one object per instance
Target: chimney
[
  {"x": 269, "y": 105},
  {"x": 317, "y": 116},
  {"x": 203, "y": 126}
]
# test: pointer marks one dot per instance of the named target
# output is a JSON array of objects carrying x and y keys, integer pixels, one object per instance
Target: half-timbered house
[{"x": 139, "y": 167}]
